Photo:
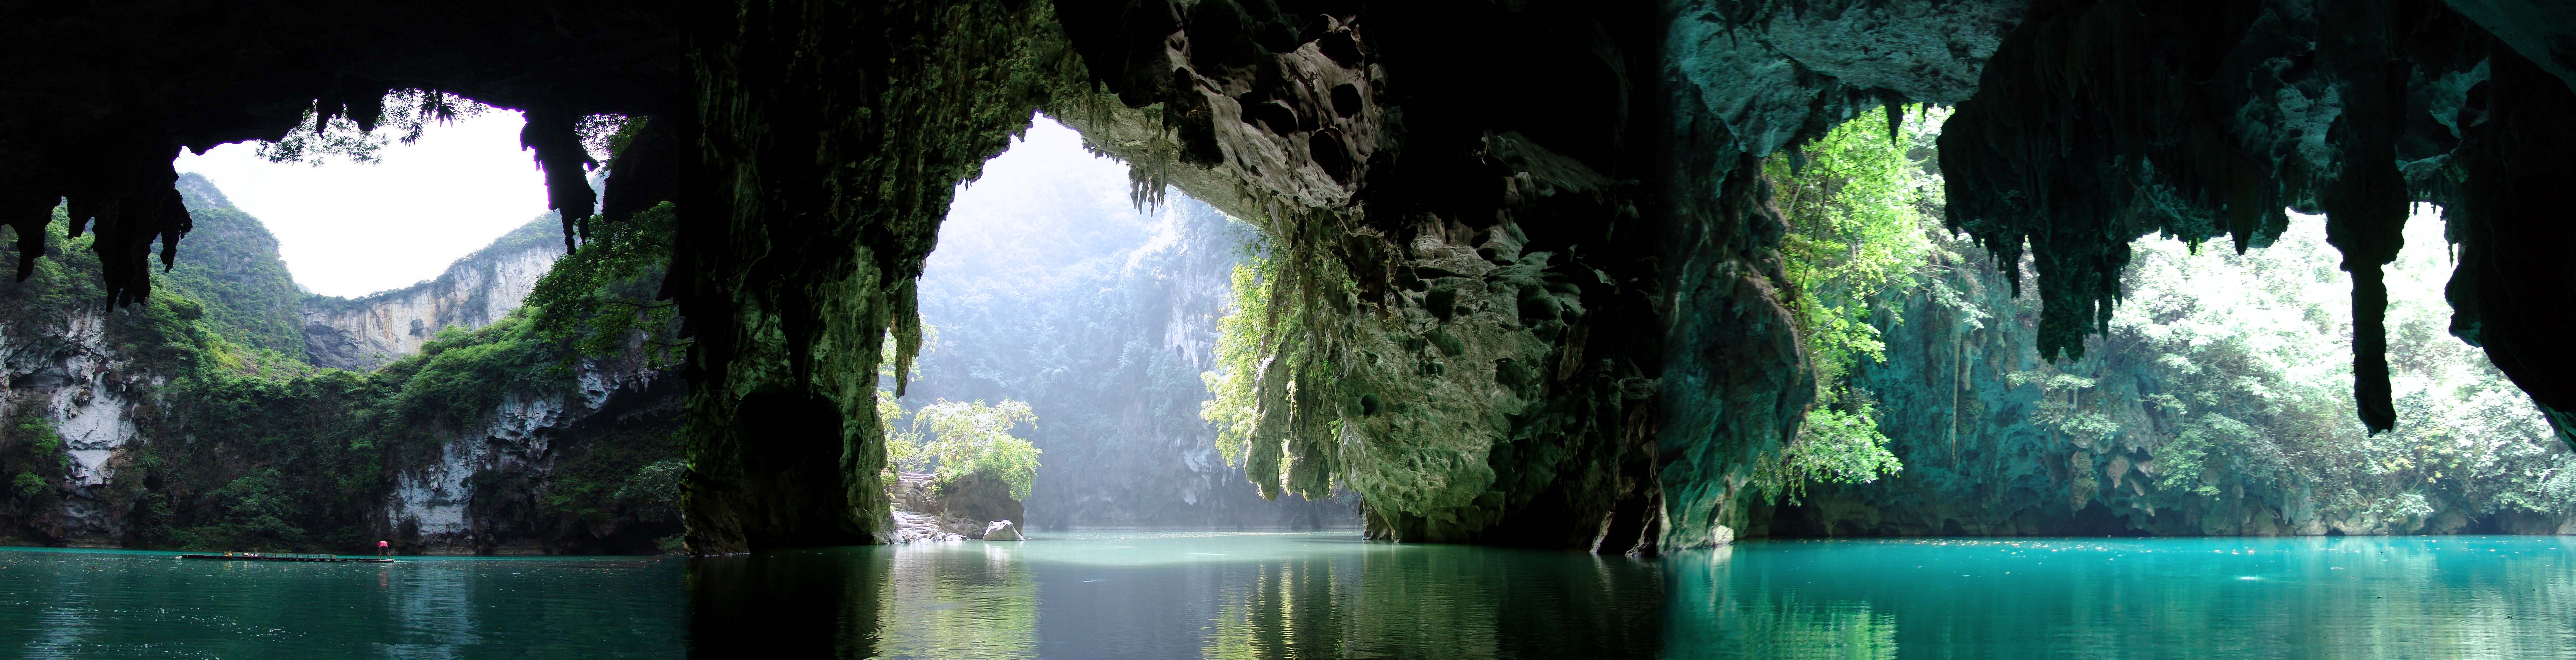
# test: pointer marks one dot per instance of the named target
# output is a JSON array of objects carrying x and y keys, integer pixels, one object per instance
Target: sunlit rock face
[{"x": 364, "y": 333}]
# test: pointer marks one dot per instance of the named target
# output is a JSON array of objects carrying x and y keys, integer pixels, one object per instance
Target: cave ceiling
[{"x": 1590, "y": 159}]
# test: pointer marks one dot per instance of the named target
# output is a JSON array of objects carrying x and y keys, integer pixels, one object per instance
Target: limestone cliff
[
  {"x": 65, "y": 378},
  {"x": 512, "y": 479},
  {"x": 193, "y": 421},
  {"x": 364, "y": 333}
]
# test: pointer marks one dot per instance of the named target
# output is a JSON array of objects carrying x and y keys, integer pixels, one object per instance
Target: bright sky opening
[{"x": 348, "y": 229}]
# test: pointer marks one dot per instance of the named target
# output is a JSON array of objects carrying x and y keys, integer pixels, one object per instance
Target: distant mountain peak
[{"x": 200, "y": 194}]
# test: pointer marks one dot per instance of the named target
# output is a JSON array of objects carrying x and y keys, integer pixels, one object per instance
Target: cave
[
  {"x": 1533, "y": 280},
  {"x": 1558, "y": 200}
]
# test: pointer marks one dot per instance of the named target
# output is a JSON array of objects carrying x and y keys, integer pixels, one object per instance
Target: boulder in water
[{"x": 1002, "y": 530}]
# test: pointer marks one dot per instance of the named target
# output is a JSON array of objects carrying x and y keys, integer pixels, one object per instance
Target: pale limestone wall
[
  {"x": 365, "y": 333},
  {"x": 67, "y": 373}
]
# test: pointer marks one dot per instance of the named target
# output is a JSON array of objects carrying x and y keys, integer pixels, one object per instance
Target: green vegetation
[
  {"x": 1270, "y": 395},
  {"x": 952, "y": 439},
  {"x": 602, "y": 298},
  {"x": 2240, "y": 362},
  {"x": 229, "y": 257},
  {"x": 242, "y": 445},
  {"x": 1860, "y": 204},
  {"x": 1238, "y": 357},
  {"x": 2219, "y": 401},
  {"x": 958, "y": 439}
]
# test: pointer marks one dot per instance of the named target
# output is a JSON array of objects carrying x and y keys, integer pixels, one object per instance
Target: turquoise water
[
  {"x": 124, "y": 604},
  {"x": 2331, "y": 597},
  {"x": 1178, "y": 595},
  {"x": 1329, "y": 595}
]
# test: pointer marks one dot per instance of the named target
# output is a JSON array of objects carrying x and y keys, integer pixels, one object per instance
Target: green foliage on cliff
[
  {"x": 2219, "y": 402},
  {"x": 2243, "y": 363},
  {"x": 958, "y": 439},
  {"x": 1100, "y": 317},
  {"x": 32, "y": 453},
  {"x": 229, "y": 262},
  {"x": 1238, "y": 361},
  {"x": 244, "y": 446},
  {"x": 1272, "y": 394},
  {"x": 954, "y": 439},
  {"x": 1861, "y": 208},
  {"x": 604, "y": 297}
]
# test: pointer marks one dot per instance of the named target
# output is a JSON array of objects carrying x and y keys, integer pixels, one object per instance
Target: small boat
[{"x": 259, "y": 556}]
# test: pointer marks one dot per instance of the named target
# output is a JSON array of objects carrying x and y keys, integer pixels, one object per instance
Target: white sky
[{"x": 347, "y": 229}]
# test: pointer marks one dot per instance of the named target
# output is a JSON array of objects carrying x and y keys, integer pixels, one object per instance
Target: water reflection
[
  {"x": 2225, "y": 597},
  {"x": 1160, "y": 595},
  {"x": 123, "y": 604},
  {"x": 826, "y": 603}
]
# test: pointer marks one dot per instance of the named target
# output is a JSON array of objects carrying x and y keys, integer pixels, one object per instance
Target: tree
[{"x": 1862, "y": 227}]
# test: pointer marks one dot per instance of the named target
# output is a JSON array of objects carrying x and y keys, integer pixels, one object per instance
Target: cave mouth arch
[{"x": 1053, "y": 286}]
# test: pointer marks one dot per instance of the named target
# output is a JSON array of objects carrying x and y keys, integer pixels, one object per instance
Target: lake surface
[
  {"x": 125, "y": 604},
  {"x": 1330, "y": 595},
  {"x": 2306, "y": 597}
]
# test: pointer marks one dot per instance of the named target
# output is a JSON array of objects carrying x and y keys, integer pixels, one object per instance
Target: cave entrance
[
  {"x": 1050, "y": 286},
  {"x": 2222, "y": 378}
]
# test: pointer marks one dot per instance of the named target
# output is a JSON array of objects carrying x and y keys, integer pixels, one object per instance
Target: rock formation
[
  {"x": 367, "y": 332},
  {"x": 1518, "y": 216},
  {"x": 974, "y": 506}
]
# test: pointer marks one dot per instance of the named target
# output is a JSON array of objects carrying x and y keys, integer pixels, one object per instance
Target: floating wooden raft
[{"x": 246, "y": 556}]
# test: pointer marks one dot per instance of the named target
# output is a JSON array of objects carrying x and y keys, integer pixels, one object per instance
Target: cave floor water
[{"x": 1136, "y": 594}]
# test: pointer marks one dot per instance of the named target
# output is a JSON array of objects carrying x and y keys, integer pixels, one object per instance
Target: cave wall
[
  {"x": 1746, "y": 80},
  {"x": 825, "y": 172}
]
